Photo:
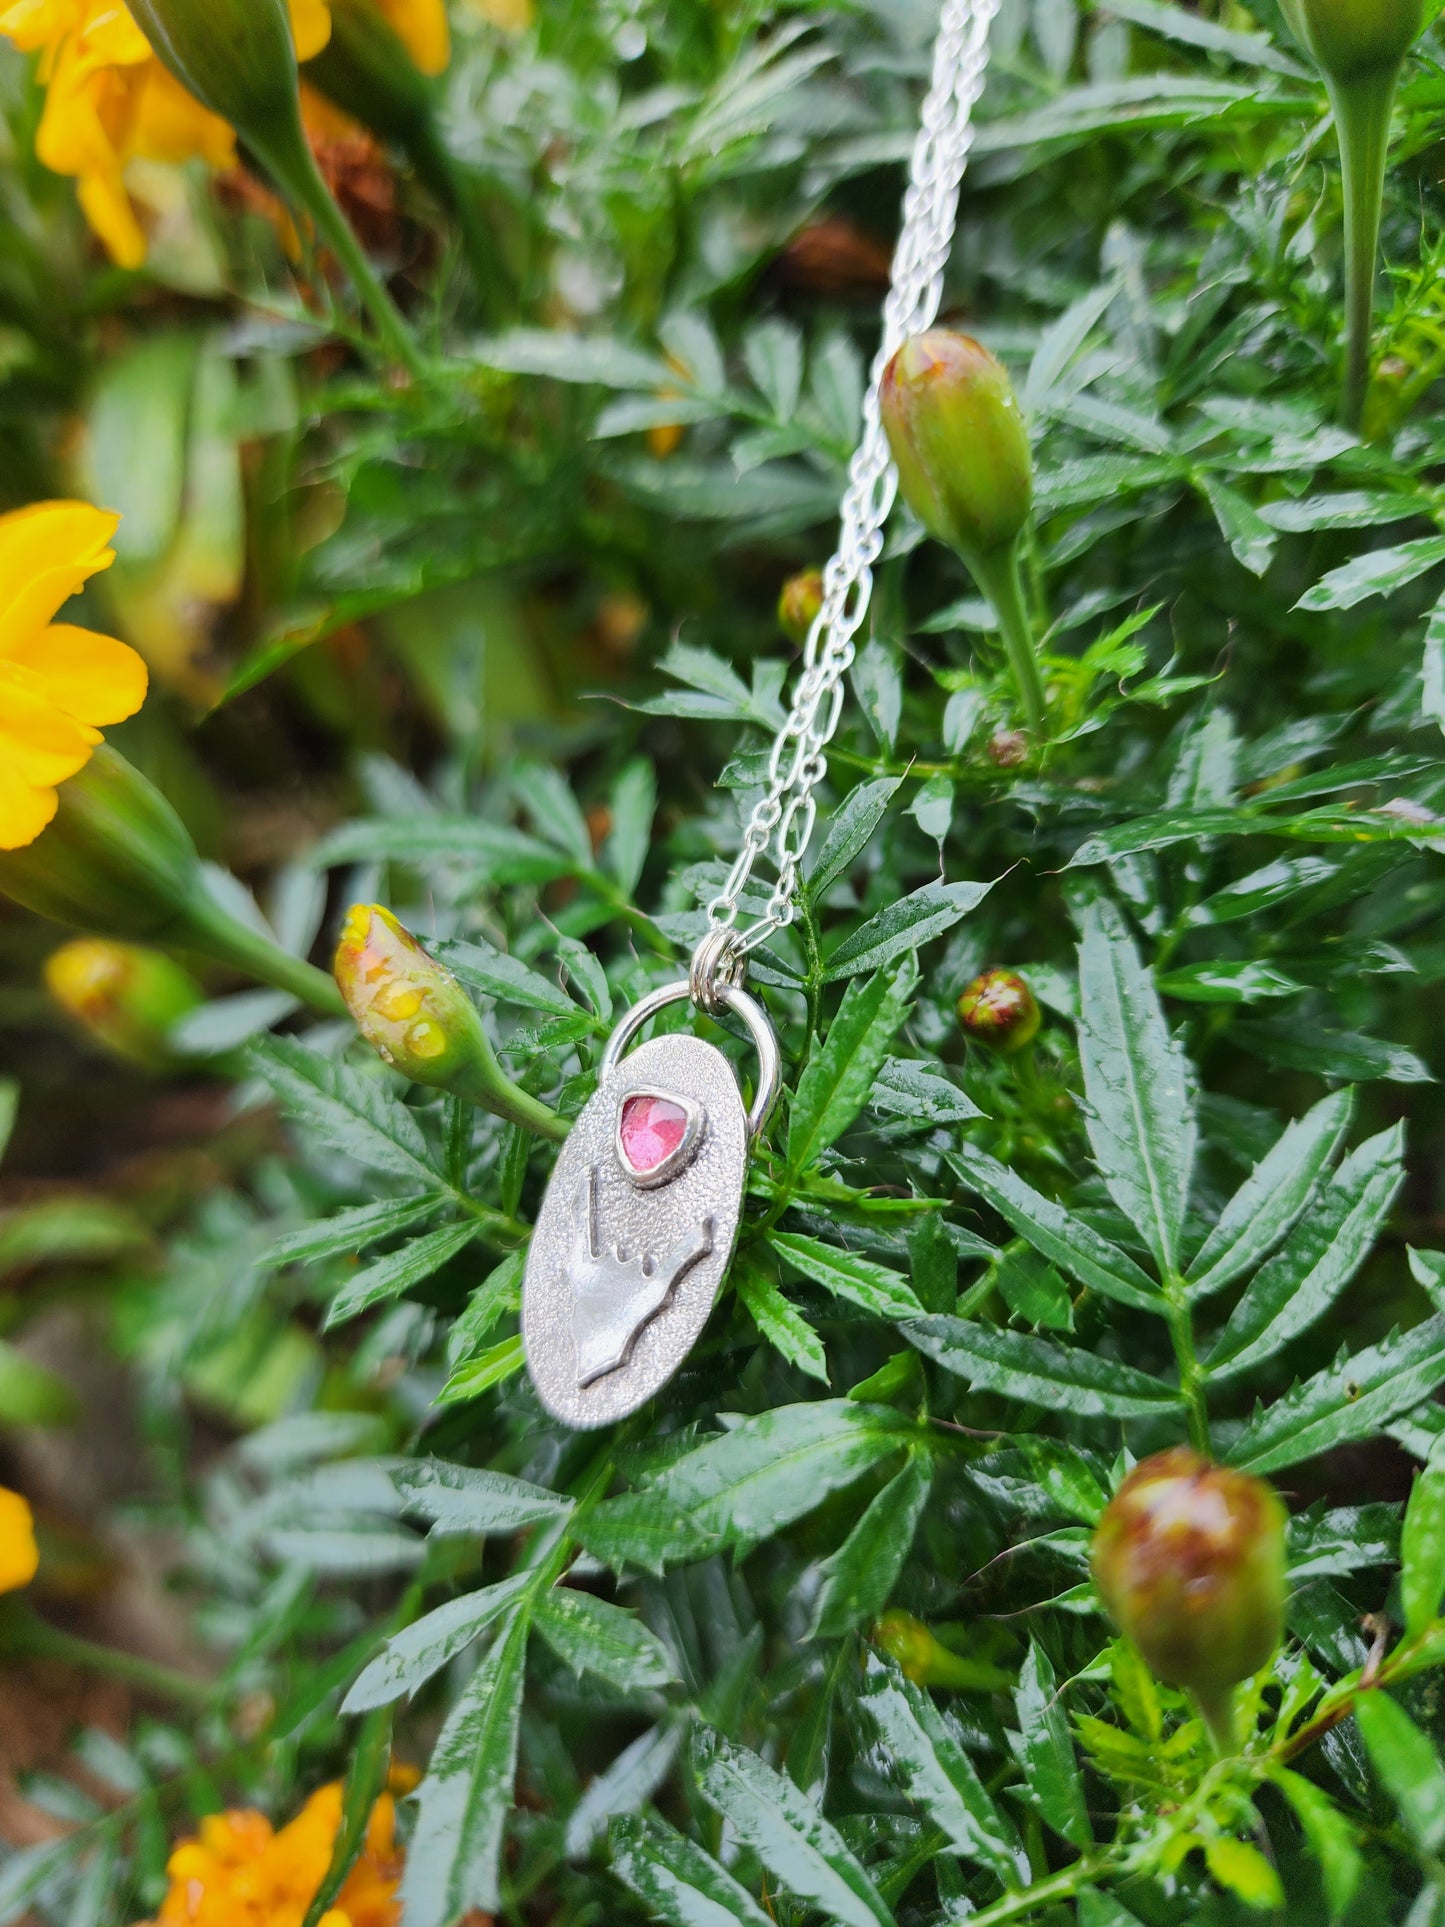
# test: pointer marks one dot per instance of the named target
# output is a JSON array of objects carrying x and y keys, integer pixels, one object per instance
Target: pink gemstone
[{"x": 651, "y": 1130}]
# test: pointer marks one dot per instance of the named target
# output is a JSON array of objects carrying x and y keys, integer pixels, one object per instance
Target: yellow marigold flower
[
  {"x": 19, "y": 1558},
  {"x": 422, "y": 27},
  {"x": 58, "y": 684},
  {"x": 240, "y": 1872},
  {"x": 109, "y": 101}
]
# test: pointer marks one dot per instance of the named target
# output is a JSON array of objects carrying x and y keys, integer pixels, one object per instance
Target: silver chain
[{"x": 784, "y": 817}]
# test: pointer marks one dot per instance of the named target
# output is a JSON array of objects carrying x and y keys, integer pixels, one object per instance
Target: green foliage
[{"x": 637, "y": 1668}]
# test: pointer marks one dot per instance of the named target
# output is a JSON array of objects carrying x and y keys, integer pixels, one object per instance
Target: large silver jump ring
[{"x": 728, "y": 997}]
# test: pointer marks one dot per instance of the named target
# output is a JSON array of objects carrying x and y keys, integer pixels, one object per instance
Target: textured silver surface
[{"x": 685, "y": 1229}]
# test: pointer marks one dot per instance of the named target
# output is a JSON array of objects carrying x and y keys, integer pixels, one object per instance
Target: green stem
[
  {"x": 1042, "y": 1893},
  {"x": 998, "y": 576},
  {"x": 1191, "y": 1376},
  {"x": 35, "y": 1638},
  {"x": 215, "y": 933},
  {"x": 296, "y": 170},
  {"x": 1217, "y": 1712},
  {"x": 1362, "y": 109},
  {"x": 499, "y": 1095}
]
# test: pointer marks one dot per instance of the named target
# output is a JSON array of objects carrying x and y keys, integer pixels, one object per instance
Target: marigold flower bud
[
  {"x": 126, "y": 997},
  {"x": 999, "y": 1011},
  {"x": 959, "y": 442},
  {"x": 118, "y": 862},
  {"x": 799, "y": 605},
  {"x": 1348, "y": 38},
  {"x": 19, "y": 1557},
  {"x": 419, "y": 1019},
  {"x": 1189, "y": 1559}
]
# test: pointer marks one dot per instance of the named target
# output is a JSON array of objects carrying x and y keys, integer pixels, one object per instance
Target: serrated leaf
[
  {"x": 348, "y": 1231},
  {"x": 676, "y": 1880},
  {"x": 1323, "y": 1253},
  {"x": 1329, "y": 1836},
  {"x": 1422, "y": 1546},
  {"x": 738, "y": 1489},
  {"x": 398, "y": 1271},
  {"x": 483, "y": 967},
  {"x": 1067, "y": 1242},
  {"x": 1243, "y": 1871},
  {"x": 593, "y": 1636},
  {"x": 499, "y": 1292},
  {"x": 902, "y": 926},
  {"x": 625, "y": 1786},
  {"x": 494, "y": 852},
  {"x": 840, "y": 1074},
  {"x": 847, "y": 1274},
  {"x": 355, "y": 1114},
  {"x": 780, "y": 1322},
  {"x": 1274, "y": 1197},
  {"x": 466, "y": 1498},
  {"x": 1050, "y": 1767},
  {"x": 1408, "y": 1765},
  {"x": 1380, "y": 572},
  {"x": 1250, "y": 537},
  {"x": 454, "y": 1862},
  {"x": 1018, "y": 1365},
  {"x": 634, "y": 805},
  {"x": 478, "y": 1375},
  {"x": 859, "y": 1577},
  {"x": 904, "y": 1088},
  {"x": 1139, "y": 1114},
  {"x": 851, "y": 830},
  {"x": 935, "y": 1771},
  {"x": 878, "y": 688},
  {"x": 422, "y": 1649},
  {"x": 1351, "y": 1400},
  {"x": 788, "y": 1834}
]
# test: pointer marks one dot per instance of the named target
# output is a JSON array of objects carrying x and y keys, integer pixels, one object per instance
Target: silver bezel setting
[{"x": 682, "y": 1153}]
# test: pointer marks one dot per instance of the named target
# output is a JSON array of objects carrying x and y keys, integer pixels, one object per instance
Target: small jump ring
[{"x": 718, "y": 963}]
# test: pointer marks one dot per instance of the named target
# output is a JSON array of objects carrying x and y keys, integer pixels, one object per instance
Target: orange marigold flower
[
  {"x": 240, "y": 1872},
  {"x": 109, "y": 102},
  {"x": 19, "y": 1558},
  {"x": 58, "y": 684}
]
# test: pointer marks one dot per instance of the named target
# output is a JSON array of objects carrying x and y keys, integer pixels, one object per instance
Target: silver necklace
[{"x": 641, "y": 1215}]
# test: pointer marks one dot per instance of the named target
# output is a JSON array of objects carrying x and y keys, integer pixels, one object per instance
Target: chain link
[{"x": 783, "y": 818}]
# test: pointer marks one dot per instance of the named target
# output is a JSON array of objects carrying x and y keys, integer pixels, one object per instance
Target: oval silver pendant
[{"x": 636, "y": 1231}]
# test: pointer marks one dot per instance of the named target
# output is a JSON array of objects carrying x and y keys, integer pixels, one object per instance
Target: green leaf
[
  {"x": 850, "y": 831},
  {"x": 847, "y": 1274},
  {"x": 471, "y": 1499},
  {"x": 399, "y": 1270},
  {"x": 31, "y": 1394},
  {"x": 839, "y": 1076},
  {"x": 422, "y": 1649},
  {"x": 1274, "y": 1197},
  {"x": 482, "y": 967},
  {"x": 625, "y": 1786},
  {"x": 598, "y": 360},
  {"x": 738, "y": 1489},
  {"x": 920, "y": 1093},
  {"x": 634, "y": 805},
  {"x": 1432, "y": 681},
  {"x": 1250, "y": 537},
  {"x": 354, "y": 1113},
  {"x": 780, "y": 1322},
  {"x": 1067, "y": 1242},
  {"x": 478, "y": 1375},
  {"x": 1380, "y": 572},
  {"x": 1408, "y": 1766},
  {"x": 787, "y": 1833},
  {"x": 10, "y": 1102},
  {"x": 499, "y": 1292},
  {"x": 348, "y": 1231},
  {"x": 1351, "y": 510},
  {"x": 1353, "y": 1399},
  {"x": 365, "y": 1782},
  {"x": 1329, "y": 1836},
  {"x": 1325, "y": 1250},
  {"x": 454, "y": 1862},
  {"x": 1422, "y": 1546},
  {"x": 1227, "y": 981},
  {"x": 67, "y": 1231},
  {"x": 859, "y": 1577},
  {"x": 1139, "y": 1114},
  {"x": 1243, "y": 1871},
  {"x": 903, "y": 926},
  {"x": 930, "y": 1760},
  {"x": 1323, "y": 1052},
  {"x": 1036, "y": 1370},
  {"x": 1050, "y": 1768},
  {"x": 1253, "y": 49},
  {"x": 494, "y": 852},
  {"x": 676, "y": 1880},
  {"x": 933, "y": 1264},
  {"x": 593, "y": 1636}
]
